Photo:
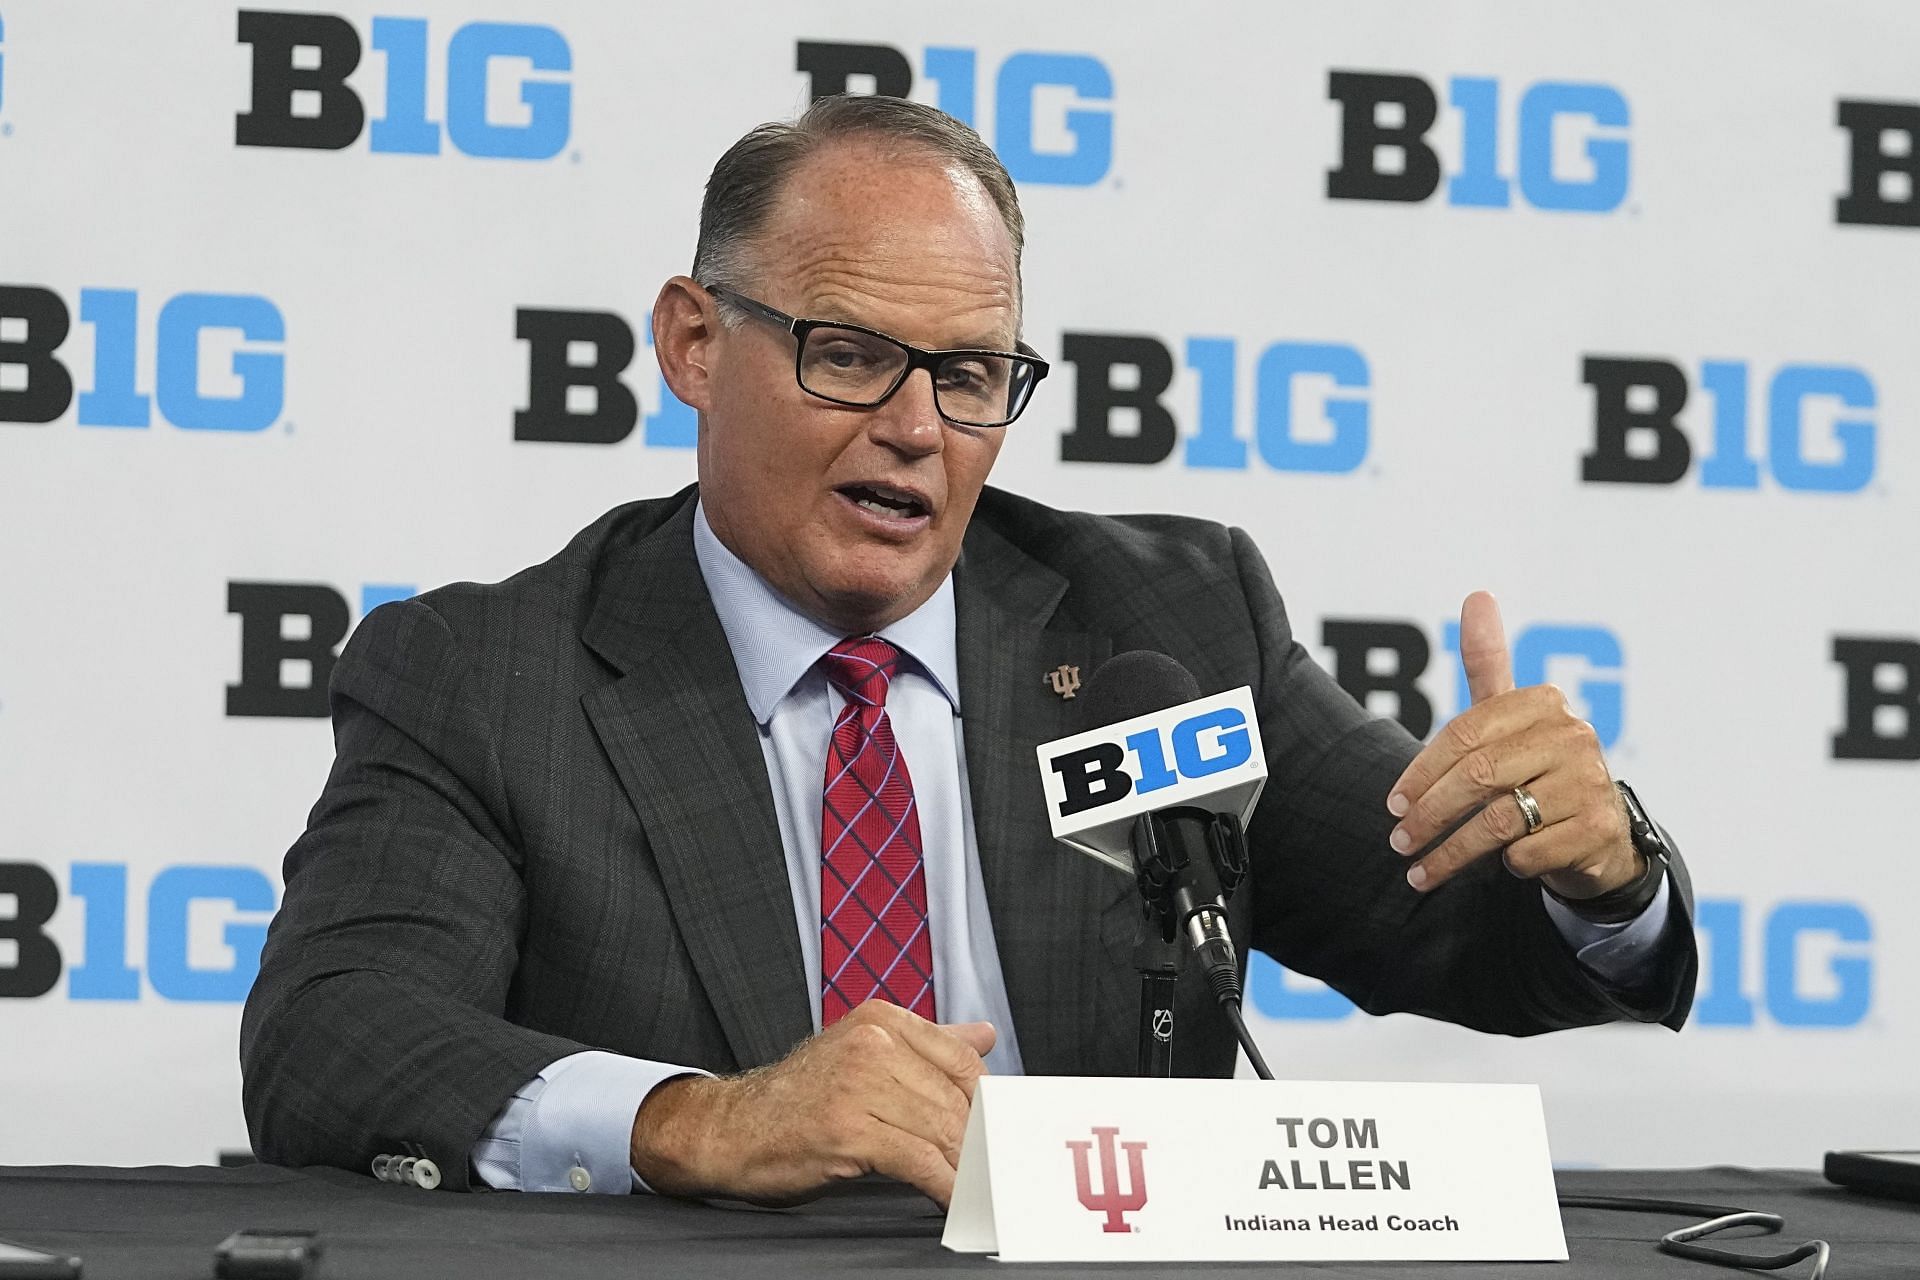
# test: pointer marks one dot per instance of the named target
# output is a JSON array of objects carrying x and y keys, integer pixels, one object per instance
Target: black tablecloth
[{"x": 162, "y": 1224}]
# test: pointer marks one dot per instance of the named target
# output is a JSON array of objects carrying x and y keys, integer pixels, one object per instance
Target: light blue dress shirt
[{"x": 569, "y": 1128}]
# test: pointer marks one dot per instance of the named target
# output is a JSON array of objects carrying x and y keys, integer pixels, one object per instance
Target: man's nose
[{"x": 910, "y": 419}]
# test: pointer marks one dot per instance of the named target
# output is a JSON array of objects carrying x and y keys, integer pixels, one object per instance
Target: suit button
[{"x": 579, "y": 1179}]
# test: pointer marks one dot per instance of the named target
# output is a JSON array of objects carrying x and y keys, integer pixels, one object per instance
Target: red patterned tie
[{"x": 873, "y": 888}]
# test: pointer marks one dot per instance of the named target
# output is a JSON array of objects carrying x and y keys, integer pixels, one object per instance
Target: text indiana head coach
[{"x": 757, "y": 759}]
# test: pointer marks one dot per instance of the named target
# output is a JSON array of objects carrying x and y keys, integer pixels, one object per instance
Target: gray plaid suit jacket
[{"x": 549, "y": 828}]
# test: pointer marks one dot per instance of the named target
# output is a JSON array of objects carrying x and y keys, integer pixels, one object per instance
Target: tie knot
[{"x": 861, "y": 668}]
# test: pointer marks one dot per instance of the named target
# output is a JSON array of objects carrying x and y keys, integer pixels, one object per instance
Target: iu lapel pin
[{"x": 1064, "y": 678}]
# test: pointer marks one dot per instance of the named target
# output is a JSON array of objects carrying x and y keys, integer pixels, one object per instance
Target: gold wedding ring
[{"x": 1529, "y": 809}]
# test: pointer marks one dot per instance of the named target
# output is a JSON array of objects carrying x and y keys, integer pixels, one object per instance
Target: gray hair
[{"x": 748, "y": 179}]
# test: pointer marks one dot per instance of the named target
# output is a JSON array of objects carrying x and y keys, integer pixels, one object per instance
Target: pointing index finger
[{"x": 1483, "y": 648}]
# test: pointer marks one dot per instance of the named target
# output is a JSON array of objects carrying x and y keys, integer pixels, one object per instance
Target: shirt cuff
[
  {"x": 570, "y": 1128},
  {"x": 1622, "y": 955}
]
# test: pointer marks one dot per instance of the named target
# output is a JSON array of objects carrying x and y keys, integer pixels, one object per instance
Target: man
[{"x": 606, "y": 846}]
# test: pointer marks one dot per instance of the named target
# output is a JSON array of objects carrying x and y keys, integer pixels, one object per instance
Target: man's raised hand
[{"x": 1512, "y": 738}]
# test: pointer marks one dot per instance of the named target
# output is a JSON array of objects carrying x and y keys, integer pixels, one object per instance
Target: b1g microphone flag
[{"x": 1205, "y": 753}]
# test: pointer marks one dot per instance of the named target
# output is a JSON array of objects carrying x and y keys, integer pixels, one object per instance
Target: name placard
[{"x": 1069, "y": 1169}]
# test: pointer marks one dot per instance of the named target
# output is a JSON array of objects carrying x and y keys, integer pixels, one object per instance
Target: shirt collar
[{"x": 774, "y": 644}]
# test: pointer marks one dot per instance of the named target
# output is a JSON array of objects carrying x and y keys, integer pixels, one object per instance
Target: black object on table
[
  {"x": 1876, "y": 1173},
  {"x": 163, "y": 1224}
]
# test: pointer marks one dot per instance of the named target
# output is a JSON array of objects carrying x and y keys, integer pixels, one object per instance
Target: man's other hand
[
  {"x": 1512, "y": 738},
  {"x": 880, "y": 1091}
]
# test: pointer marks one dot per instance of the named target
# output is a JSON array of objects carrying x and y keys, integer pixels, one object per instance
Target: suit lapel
[
  {"x": 682, "y": 740},
  {"x": 1045, "y": 900}
]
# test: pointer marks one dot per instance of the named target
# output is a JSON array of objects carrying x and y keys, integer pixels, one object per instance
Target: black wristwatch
[{"x": 1617, "y": 906}]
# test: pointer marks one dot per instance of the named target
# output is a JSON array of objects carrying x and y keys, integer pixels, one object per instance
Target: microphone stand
[
  {"x": 1187, "y": 863},
  {"x": 1158, "y": 963}
]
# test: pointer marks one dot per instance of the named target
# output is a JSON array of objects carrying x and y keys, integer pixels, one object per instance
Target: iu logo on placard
[{"x": 1111, "y": 1199}]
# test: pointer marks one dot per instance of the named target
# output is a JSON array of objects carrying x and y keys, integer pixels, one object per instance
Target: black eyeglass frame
[{"x": 917, "y": 357}]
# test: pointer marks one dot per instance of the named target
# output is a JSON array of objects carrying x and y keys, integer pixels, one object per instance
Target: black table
[{"x": 162, "y": 1224}]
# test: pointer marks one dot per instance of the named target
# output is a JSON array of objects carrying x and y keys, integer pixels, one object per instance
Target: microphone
[
  {"x": 1187, "y": 858},
  {"x": 1159, "y": 786}
]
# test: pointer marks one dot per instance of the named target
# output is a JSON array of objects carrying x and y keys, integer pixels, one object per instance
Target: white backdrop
[{"x": 298, "y": 365}]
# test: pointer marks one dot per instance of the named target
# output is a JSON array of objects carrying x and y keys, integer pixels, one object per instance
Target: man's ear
[{"x": 686, "y": 326}]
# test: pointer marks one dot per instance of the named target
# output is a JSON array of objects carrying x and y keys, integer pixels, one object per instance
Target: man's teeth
[{"x": 884, "y": 506}]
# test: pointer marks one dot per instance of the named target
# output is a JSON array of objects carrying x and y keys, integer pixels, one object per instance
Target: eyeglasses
[{"x": 860, "y": 367}]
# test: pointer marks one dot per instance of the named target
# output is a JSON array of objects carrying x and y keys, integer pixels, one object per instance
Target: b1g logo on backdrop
[
  {"x": 1052, "y": 112},
  {"x": 1809, "y": 965},
  {"x": 1572, "y": 149},
  {"x": 204, "y": 929},
  {"x": 290, "y": 637},
  {"x": 1880, "y": 706},
  {"x": 1883, "y": 164},
  {"x": 1819, "y": 435},
  {"x": 1310, "y": 411},
  {"x": 575, "y": 394},
  {"x": 196, "y": 394},
  {"x": 1380, "y": 662},
  {"x": 301, "y": 98}
]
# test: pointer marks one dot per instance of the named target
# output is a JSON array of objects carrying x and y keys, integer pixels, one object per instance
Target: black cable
[
  {"x": 1680, "y": 1242},
  {"x": 1637, "y": 1204},
  {"x": 1246, "y": 1039}
]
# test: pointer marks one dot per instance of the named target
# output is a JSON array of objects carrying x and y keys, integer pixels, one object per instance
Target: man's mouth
[{"x": 887, "y": 502}]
